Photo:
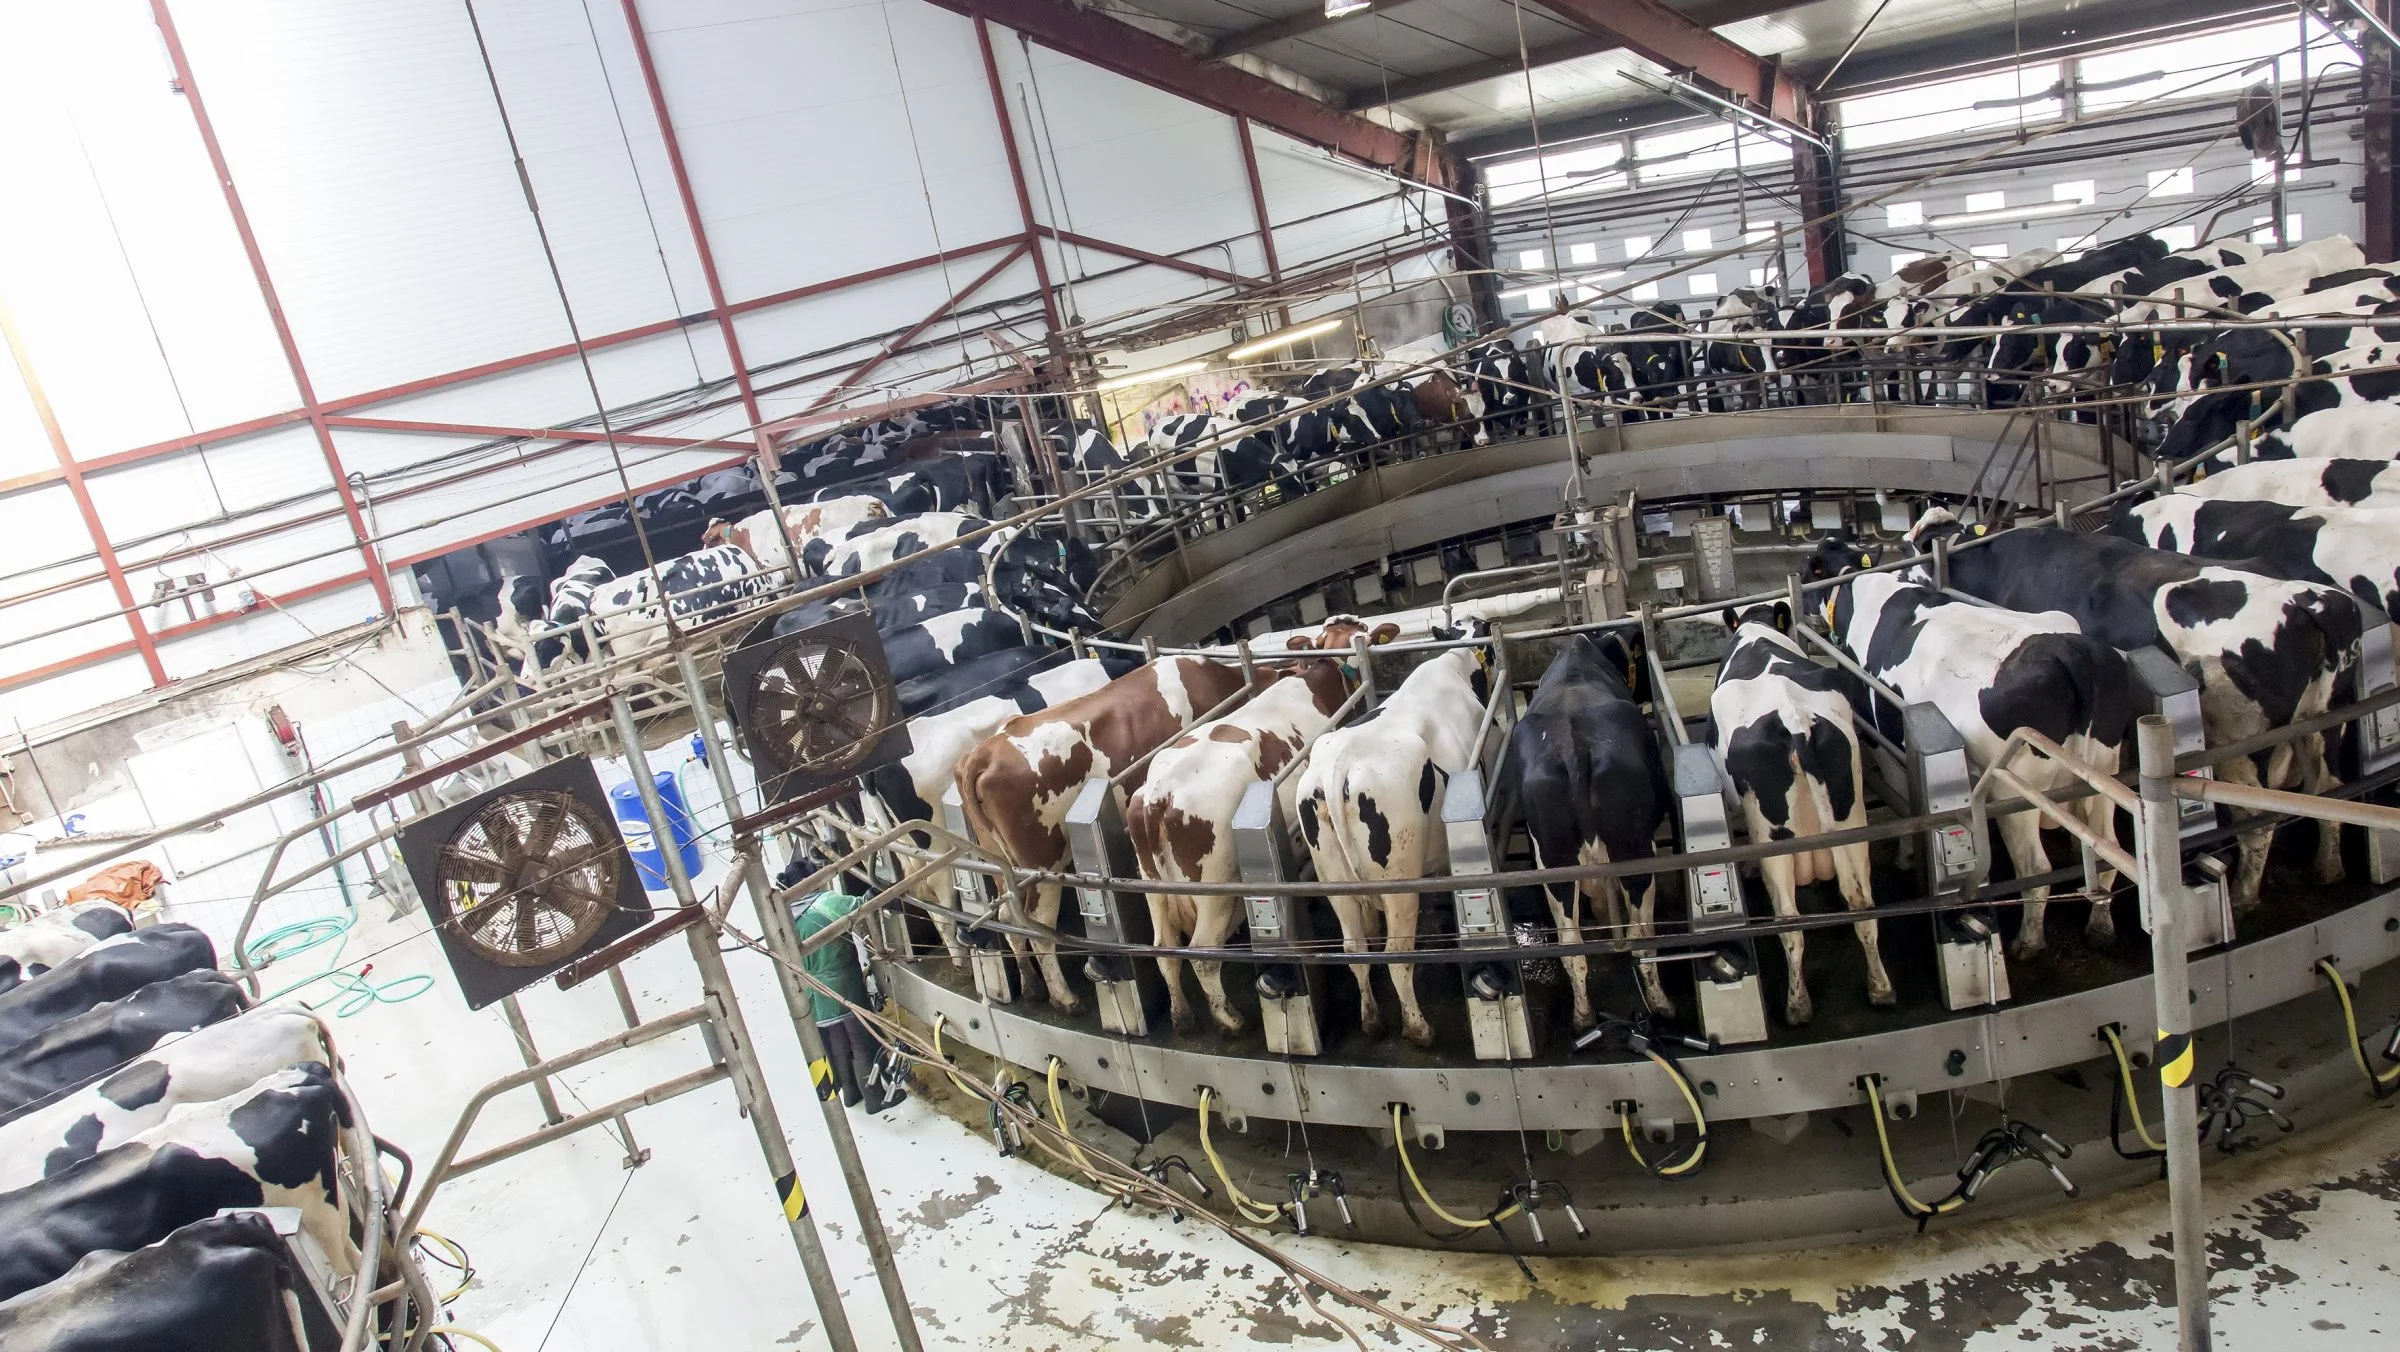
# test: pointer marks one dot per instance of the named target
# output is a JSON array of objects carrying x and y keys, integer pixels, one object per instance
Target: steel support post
[
  {"x": 732, "y": 1036},
  {"x": 2159, "y": 849},
  {"x": 2382, "y": 189},
  {"x": 775, "y": 924}
]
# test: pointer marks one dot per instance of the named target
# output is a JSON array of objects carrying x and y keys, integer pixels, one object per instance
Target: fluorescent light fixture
[
  {"x": 1152, "y": 377},
  {"x": 2005, "y": 214},
  {"x": 1284, "y": 339},
  {"x": 1335, "y": 9}
]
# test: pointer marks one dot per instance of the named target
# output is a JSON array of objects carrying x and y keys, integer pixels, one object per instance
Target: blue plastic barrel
[{"x": 642, "y": 843}]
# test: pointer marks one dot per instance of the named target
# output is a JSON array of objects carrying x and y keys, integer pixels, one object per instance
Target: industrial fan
[
  {"x": 816, "y": 706},
  {"x": 524, "y": 879}
]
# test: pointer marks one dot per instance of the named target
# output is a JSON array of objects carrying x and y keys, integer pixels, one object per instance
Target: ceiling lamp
[
  {"x": 1284, "y": 339},
  {"x": 1153, "y": 376},
  {"x": 1335, "y": 9}
]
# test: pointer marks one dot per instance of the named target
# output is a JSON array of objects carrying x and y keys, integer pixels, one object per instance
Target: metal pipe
[
  {"x": 2165, "y": 903},
  {"x": 733, "y": 1042},
  {"x": 596, "y": 1117},
  {"x": 783, "y": 941},
  {"x": 2347, "y": 813}
]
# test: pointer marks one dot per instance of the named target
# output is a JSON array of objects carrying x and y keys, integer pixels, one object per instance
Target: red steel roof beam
[
  {"x": 1658, "y": 34},
  {"x": 190, "y": 88}
]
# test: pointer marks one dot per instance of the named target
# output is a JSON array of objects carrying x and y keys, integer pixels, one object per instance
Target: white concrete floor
[{"x": 575, "y": 1252}]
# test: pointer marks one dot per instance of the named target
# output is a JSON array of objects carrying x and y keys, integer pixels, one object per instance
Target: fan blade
[
  {"x": 526, "y": 929},
  {"x": 460, "y": 866}
]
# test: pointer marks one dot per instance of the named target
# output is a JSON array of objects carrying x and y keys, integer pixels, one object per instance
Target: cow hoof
[
  {"x": 1185, "y": 1022},
  {"x": 1420, "y": 1033},
  {"x": 2329, "y": 872},
  {"x": 1799, "y": 1015},
  {"x": 2103, "y": 929},
  {"x": 1233, "y": 1025},
  {"x": 1067, "y": 1004},
  {"x": 2026, "y": 951},
  {"x": 1883, "y": 999}
]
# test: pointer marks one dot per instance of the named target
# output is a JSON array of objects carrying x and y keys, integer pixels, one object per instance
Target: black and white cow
[
  {"x": 1505, "y": 382},
  {"x": 2266, "y": 652},
  {"x": 947, "y": 640},
  {"x": 2346, "y": 378},
  {"x": 1727, "y": 353},
  {"x": 1592, "y": 789},
  {"x": 1783, "y": 725},
  {"x": 1370, "y": 808},
  {"x": 109, "y": 1034},
  {"x": 224, "y": 1284},
  {"x": 872, "y": 544},
  {"x": 2304, "y": 483},
  {"x": 560, "y": 628},
  {"x": 215, "y": 1062},
  {"x": 2362, "y": 431},
  {"x": 630, "y": 613},
  {"x": 108, "y": 970},
  {"x": 55, "y": 936},
  {"x": 274, "y": 1144},
  {"x": 1991, "y": 672},
  {"x": 2355, "y": 549}
]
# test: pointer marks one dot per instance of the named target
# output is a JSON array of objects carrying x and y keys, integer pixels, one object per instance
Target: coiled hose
[
  {"x": 1257, "y": 1213},
  {"x": 1688, "y": 1158},
  {"x": 2152, "y": 1146},
  {"x": 1409, "y": 1167},
  {"x": 1909, "y": 1205}
]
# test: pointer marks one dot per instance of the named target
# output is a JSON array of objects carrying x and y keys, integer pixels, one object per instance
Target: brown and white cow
[
  {"x": 1017, "y": 784},
  {"x": 756, "y": 535},
  {"x": 1181, "y": 821}
]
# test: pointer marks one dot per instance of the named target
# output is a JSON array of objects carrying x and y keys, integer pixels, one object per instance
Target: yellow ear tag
[
  {"x": 1981, "y": 529},
  {"x": 1866, "y": 561},
  {"x": 1829, "y": 610}
]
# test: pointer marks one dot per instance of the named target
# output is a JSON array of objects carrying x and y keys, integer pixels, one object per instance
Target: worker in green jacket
[{"x": 849, "y": 1046}]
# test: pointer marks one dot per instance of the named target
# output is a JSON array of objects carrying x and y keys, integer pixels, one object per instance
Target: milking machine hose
[
  {"x": 1058, "y": 1111},
  {"x": 1257, "y": 1213},
  {"x": 1408, "y": 1166},
  {"x": 1696, "y": 1152},
  {"x": 2153, "y": 1147},
  {"x": 1909, "y": 1205},
  {"x": 943, "y": 1057},
  {"x": 2380, "y": 1084}
]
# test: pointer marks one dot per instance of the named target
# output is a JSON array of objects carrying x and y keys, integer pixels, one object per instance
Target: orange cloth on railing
[{"x": 128, "y": 884}]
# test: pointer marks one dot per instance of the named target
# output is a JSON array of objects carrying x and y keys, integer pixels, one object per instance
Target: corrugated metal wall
[{"x": 820, "y": 142}]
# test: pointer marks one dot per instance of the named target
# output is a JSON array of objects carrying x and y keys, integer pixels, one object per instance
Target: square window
[
  {"x": 2179, "y": 237},
  {"x": 1703, "y": 283},
  {"x": 1980, "y": 202},
  {"x": 1646, "y": 291},
  {"x": 1584, "y": 293},
  {"x": 2073, "y": 246},
  {"x": 2171, "y": 182},
  {"x": 1990, "y": 251},
  {"x": 1531, "y": 259},
  {"x": 1583, "y": 253},
  {"x": 1758, "y": 233},
  {"x": 1758, "y": 276},
  {"x": 1904, "y": 213},
  {"x": 2080, "y": 190},
  {"x": 2263, "y": 171},
  {"x": 1698, "y": 241},
  {"x": 2265, "y": 233},
  {"x": 1537, "y": 297},
  {"x": 1637, "y": 245},
  {"x": 1903, "y": 259}
]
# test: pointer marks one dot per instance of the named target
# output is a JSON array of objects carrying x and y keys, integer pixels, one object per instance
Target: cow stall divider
[
  {"x": 1733, "y": 1010},
  {"x": 1927, "y": 775},
  {"x": 1477, "y": 821},
  {"x": 1290, "y": 995}
]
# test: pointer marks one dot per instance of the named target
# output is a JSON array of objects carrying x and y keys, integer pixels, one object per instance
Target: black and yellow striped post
[{"x": 2165, "y": 904}]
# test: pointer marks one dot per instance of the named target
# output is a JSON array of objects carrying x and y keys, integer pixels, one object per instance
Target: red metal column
[
  {"x": 1817, "y": 181},
  {"x": 1016, "y": 174},
  {"x": 1258, "y": 198},
  {"x": 376, "y": 576},
  {"x": 1156, "y": 259},
  {"x": 83, "y": 498},
  {"x": 708, "y": 258}
]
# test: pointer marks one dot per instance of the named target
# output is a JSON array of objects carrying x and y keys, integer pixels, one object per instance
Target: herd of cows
[{"x": 141, "y": 1095}]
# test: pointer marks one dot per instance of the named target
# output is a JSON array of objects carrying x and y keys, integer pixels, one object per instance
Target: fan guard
[
  {"x": 818, "y": 707},
  {"x": 530, "y": 877}
]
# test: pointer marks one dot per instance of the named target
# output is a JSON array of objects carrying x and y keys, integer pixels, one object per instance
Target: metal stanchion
[
  {"x": 2160, "y": 853},
  {"x": 733, "y": 1041},
  {"x": 775, "y": 923}
]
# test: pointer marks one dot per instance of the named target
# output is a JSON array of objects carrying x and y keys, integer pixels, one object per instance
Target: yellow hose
[
  {"x": 2358, "y": 1053},
  {"x": 941, "y": 1056},
  {"x": 454, "y": 1331},
  {"x": 2132, "y": 1104},
  {"x": 459, "y": 1255},
  {"x": 1409, "y": 1166},
  {"x": 1891, "y": 1167},
  {"x": 1699, "y": 1120},
  {"x": 1254, "y": 1212},
  {"x": 1058, "y": 1111}
]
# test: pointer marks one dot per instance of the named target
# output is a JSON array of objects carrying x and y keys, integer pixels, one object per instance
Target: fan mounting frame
[
  {"x": 621, "y": 905},
  {"x": 767, "y": 690}
]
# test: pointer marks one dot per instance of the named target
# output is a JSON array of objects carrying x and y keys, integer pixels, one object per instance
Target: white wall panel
[
  {"x": 142, "y": 500},
  {"x": 555, "y": 392},
  {"x": 1300, "y": 182},
  {"x": 48, "y": 548},
  {"x": 372, "y": 164},
  {"x": 443, "y": 518},
  {"x": 797, "y": 134},
  {"x": 24, "y": 446},
  {"x": 292, "y": 622},
  {"x": 86, "y": 687},
  {"x": 128, "y": 284},
  {"x": 1133, "y": 164}
]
